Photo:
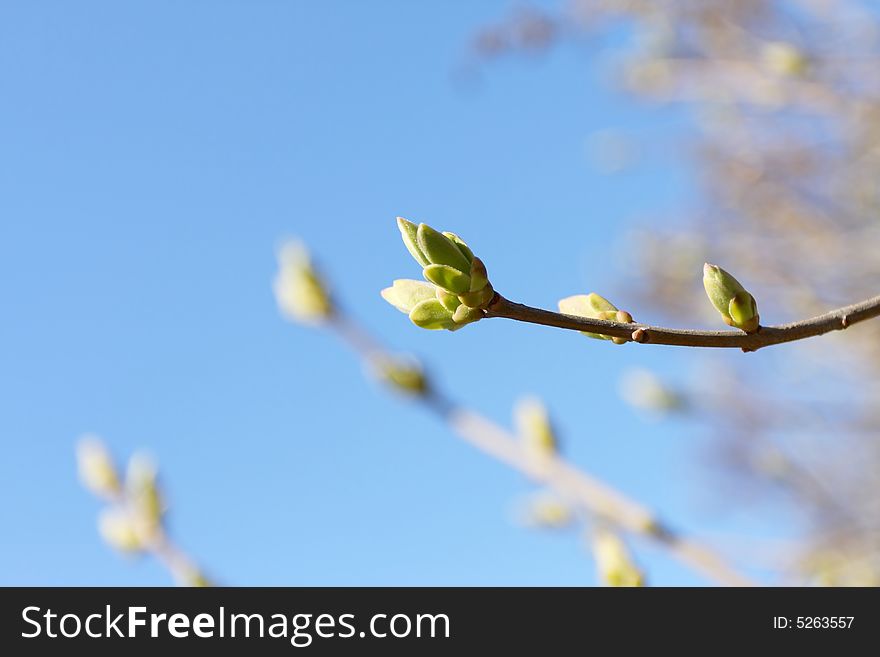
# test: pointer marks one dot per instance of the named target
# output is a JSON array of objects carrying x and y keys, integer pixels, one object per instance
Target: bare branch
[{"x": 766, "y": 336}]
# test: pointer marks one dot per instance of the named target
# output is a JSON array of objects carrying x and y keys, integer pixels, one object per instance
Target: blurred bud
[
  {"x": 594, "y": 306},
  {"x": 406, "y": 375},
  {"x": 299, "y": 291},
  {"x": 460, "y": 283},
  {"x": 191, "y": 576},
  {"x": 613, "y": 562},
  {"x": 547, "y": 511},
  {"x": 404, "y": 294},
  {"x": 783, "y": 59},
  {"x": 534, "y": 428},
  {"x": 143, "y": 496},
  {"x": 737, "y": 307},
  {"x": 96, "y": 469},
  {"x": 643, "y": 390},
  {"x": 116, "y": 527}
]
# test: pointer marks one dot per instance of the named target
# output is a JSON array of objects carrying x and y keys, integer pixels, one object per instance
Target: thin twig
[
  {"x": 766, "y": 336},
  {"x": 588, "y": 492}
]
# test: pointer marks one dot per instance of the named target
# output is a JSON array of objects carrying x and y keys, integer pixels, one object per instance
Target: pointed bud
[
  {"x": 449, "y": 278},
  {"x": 408, "y": 232},
  {"x": 533, "y": 426},
  {"x": 613, "y": 561},
  {"x": 405, "y": 293},
  {"x": 464, "y": 248},
  {"x": 118, "y": 530},
  {"x": 97, "y": 471},
  {"x": 299, "y": 290},
  {"x": 737, "y": 307},
  {"x": 440, "y": 250},
  {"x": 594, "y": 306},
  {"x": 432, "y": 315}
]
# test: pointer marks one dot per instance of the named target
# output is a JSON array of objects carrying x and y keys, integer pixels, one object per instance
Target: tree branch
[{"x": 766, "y": 336}]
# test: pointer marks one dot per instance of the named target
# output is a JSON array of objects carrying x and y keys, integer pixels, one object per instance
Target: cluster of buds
[
  {"x": 738, "y": 308},
  {"x": 457, "y": 288},
  {"x": 133, "y": 520},
  {"x": 300, "y": 292},
  {"x": 593, "y": 306}
]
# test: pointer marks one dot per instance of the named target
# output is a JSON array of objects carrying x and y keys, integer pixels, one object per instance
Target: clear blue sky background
[{"x": 152, "y": 154}]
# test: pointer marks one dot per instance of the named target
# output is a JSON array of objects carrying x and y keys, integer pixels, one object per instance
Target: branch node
[
  {"x": 640, "y": 335},
  {"x": 844, "y": 321}
]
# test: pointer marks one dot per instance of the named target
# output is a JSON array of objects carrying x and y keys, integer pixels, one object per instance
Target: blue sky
[{"x": 154, "y": 154}]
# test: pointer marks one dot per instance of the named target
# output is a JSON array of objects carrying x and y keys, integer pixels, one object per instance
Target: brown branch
[{"x": 766, "y": 336}]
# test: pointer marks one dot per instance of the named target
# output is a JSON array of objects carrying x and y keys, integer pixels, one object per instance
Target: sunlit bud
[
  {"x": 403, "y": 374},
  {"x": 613, "y": 561},
  {"x": 534, "y": 428},
  {"x": 547, "y": 511},
  {"x": 737, "y": 307},
  {"x": 96, "y": 469},
  {"x": 479, "y": 275},
  {"x": 440, "y": 250},
  {"x": 404, "y": 294},
  {"x": 594, "y": 306},
  {"x": 449, "y": 278},
  {"x": 116, "y": 527},
  {"x": 466, "y": 315},
  {"x": 478, "y": 299},
  {"x": 408, "y": 232},
  {"x": 464, "y": 248},
  {"x": 142, "y": 494},
  {"x": 644, "y": 390},
  {"x": 432, "y": 315},
  {"x": 299, "y": 291},
  {"x": 783, "y": 59},
  {"x": 449, "y": 300}
]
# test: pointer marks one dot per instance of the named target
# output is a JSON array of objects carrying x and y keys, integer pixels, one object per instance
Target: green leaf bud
[
  {"x": 478, "y": 299},
  {"x": 405, "y": 293},
  {"x": 408, "y": 231},
  {"x": 449, "y": 278},
  {"x": 432, "y": 315},
  {"x": 451, "y": 301},
  {"x": 594, "y": 306},
  {"x": 738, "y": 308},
  {"x": 464, "y": 315},
  {"x": 464, "y": 248},
  {"x": 440, "y": 250}
]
